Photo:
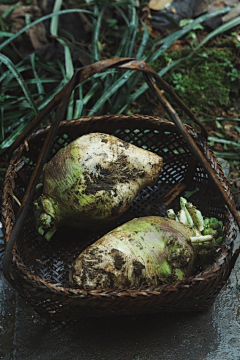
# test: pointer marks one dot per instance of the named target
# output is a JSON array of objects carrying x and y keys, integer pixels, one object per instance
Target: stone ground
[{"x": 212, "y": 335}]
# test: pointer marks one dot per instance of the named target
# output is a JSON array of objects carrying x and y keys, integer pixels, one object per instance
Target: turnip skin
[
  {"x": 149, "y": 251},
  {"x": 144, "y": 252},
  {"x": 93, "y": 181}
]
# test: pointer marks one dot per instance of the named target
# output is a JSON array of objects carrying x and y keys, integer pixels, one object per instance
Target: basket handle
[
  {"x": 88, "y": 71},
  {"x": 61, "y": 100}
]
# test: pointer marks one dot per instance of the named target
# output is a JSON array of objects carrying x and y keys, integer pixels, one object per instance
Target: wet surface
[{"x": 211, "y": 335}]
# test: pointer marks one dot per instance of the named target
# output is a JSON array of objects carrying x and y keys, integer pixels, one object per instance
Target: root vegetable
[
  {"x": 92, "y": 181},
  {"x": 143, "y": 252},
  {"x": 146, "y": 252}
]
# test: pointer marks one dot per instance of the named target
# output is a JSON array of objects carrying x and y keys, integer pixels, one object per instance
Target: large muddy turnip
[
  {"x": 147, "y": 252},
  {"x": 93, "y": 181},
  {"x": 143, "y": 252}
]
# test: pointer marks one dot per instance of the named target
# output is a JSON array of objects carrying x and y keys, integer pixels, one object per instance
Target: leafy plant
[{"x": 28, "y": 84}]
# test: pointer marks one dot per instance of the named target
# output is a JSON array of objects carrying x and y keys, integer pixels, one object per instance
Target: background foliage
[{"x": 201, "y": 65}]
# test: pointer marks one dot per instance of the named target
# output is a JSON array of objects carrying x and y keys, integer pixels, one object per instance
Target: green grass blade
[
  {"x": 69, "y": 68},
  {"x": 68, "y": 63},
  {"x": 122, "y": 43},
  {"x": 8, "y": 75},
  {"x": 223, "y": 141},
  {"x": 70, "y": 107},
  {"x": 54, "y": 21},
  {"x": 122, "y": 14},
  {"x": 33, "y": 81},
  {"x": 43, "y": 18},
  {"x": 5, "y": 34},
  {"x": 90, "y": 93},
  {"x": 134, "y": 75},
  {"x": 119, "y": 3},
  {"x": 133, "y": 28},
  {"x": 38, "y": 81},
  {"x": 229, "y": 25},
  {"x": 67, "y": 74},
  {"x": 2, "y": 125},
  {"x": 49, "y": 97},
  {"x": 107, "y": 94},
  {"x": 63, "y": 70},
  {"x": 227, "y": 155},
  {"x": 9, "y": 10},
  {"x": 144, "y": 41},
  {"x": 23, "y": 118},
  {"x": 49, "y": 67},
  {"x": 78, "y": 109},
  {"x": 17, "y": 114},
  {"x": 8, "y": 142},
  {"x": 79, "y": 103},
  {"x": 131, "y": 32},
  {"x": 20, "y": 80},
  {"x": 96, "y": 30},
  {"x": 219, "y": 119}
]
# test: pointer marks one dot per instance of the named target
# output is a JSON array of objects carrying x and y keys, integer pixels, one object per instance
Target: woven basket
[{"x": 39, "y": 269}]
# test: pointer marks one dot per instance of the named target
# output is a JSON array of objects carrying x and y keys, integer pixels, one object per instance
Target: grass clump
[{"x": 30, "y": 82}]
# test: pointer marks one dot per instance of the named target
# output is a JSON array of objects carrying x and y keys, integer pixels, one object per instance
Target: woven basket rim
[
  {"x": 75, "y": 291},
  {"x": 88, "y": 119}
]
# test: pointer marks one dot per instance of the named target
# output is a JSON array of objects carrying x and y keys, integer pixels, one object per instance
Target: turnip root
[
  {"x": 144, "y": 252},
  {"x": 93, "y": 181}
]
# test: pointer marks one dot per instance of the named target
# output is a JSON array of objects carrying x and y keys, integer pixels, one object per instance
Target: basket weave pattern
[{"x": 39, "y": 269}]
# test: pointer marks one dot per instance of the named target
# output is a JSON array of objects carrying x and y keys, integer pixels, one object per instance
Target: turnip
[
  {"x": 144, "y": 252},
  {"x": 93, "y": 181}
]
